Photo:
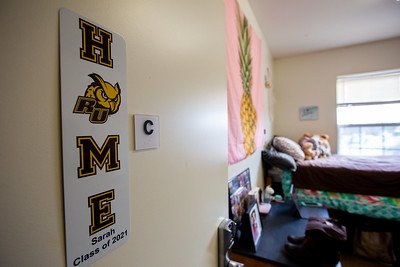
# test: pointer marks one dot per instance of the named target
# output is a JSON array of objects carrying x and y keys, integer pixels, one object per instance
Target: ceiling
[{"x": 293, "y": 27}]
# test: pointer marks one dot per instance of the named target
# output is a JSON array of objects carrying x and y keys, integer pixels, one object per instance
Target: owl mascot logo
[{"x": 101, "y": 100}]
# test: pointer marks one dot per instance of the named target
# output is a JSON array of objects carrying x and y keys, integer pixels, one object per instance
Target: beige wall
[
  {"x": 254, "y": 161},
  {"x": 310, "y": 79},
  {"x": 175, "y": 69}
]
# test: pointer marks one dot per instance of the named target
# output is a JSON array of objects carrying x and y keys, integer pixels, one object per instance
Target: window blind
[
  {"x": 374, "y": 87},
  {"x": 368, "y": 98}
]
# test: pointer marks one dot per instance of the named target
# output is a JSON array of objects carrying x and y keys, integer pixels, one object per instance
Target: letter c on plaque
[{"x": 146, "y": 127}]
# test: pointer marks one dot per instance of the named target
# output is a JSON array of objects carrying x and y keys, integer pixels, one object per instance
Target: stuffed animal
[
  {"x": 309, "y": 151},
  {"x": 309, "y": 146},
  {"x": 268, "y": 194},
  {"x": 315, "y": 146},
  {"x": 324, "y": 146}
]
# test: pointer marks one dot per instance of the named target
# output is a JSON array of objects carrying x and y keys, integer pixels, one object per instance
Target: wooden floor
[
  {"x": 349, "y": 260},
  {"x": 346, "y": 260}
]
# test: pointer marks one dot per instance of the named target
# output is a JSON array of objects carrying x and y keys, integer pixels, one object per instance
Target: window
[{"x": 368, "y": 113}]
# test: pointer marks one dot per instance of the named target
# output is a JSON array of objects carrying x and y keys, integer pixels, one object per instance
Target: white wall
[
  {"x": 310, "y": 79},
  {"x": 175, "y": 69},
  {"x": 254, "y": 161}
]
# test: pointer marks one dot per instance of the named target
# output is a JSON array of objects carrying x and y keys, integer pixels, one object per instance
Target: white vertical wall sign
[{"x": 95, "y": 139}]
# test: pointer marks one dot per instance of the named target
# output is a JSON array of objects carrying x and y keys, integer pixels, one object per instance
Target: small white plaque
[{"x": 147, "y": 132}]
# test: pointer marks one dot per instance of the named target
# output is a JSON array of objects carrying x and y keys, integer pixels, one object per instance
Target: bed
[
  {"x": 368, "y": 186},
  {"x": 362, "y": 192}
]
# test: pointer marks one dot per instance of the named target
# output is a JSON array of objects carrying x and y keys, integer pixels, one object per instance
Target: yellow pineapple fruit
[{"x": 248, "y": 113}]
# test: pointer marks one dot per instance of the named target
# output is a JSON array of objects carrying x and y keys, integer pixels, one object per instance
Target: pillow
[
  {"x": 289, "y": 147},
  {"x": 278, "y": 159}
]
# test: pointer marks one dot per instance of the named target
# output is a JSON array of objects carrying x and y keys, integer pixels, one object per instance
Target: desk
[{"x": 277, "y": 225}]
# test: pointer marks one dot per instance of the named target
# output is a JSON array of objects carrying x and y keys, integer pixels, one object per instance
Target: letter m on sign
[{"x": 91, "y": 155}]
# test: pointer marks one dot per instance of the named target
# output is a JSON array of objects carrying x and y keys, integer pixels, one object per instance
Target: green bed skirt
[{"x": 371, "y": 206}]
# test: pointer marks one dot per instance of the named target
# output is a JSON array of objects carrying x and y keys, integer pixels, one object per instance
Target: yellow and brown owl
[{"x": 106, "y": 95}]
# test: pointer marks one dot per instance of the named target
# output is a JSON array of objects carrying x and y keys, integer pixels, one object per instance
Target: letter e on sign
[
  {"x": 147, "y": 132},
  {"x": 100, "y": 210}
]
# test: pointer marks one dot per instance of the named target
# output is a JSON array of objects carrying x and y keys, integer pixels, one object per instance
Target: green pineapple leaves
[{"x": 244, "y": 53}]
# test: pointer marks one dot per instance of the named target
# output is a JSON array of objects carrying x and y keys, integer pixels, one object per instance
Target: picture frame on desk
[
  {"x": 238, "y": 188},
  {"x": 238, "y": 204},
  {"x": 251, "y": 229},
  {"x": 255, "y": 225}
]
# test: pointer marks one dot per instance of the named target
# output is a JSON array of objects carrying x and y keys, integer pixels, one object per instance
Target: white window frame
[{"x": 360, "y": 126}]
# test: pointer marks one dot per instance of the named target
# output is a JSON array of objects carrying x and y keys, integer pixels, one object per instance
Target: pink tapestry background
[{"x": 235, "y": 87}]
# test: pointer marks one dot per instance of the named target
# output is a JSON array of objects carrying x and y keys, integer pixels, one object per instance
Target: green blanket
[{"x": 371, "y": 206}]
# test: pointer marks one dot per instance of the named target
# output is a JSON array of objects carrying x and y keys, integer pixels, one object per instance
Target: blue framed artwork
[{"x": 308, "y": 113}]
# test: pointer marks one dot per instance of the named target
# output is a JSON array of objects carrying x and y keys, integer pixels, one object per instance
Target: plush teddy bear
[
  {"x": 309, "y": 151},
  {"x": 309, "y": 146},
  {"x": 268, "y": 194},
  {"x": 324, "y": 146},
  {"x": 315, "y": 146}
]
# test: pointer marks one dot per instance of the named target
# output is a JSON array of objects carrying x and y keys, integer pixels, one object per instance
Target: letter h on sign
[{"x": 93, "y": 38}]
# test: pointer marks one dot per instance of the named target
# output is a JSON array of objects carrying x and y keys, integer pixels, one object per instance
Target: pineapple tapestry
[{"x": 244, "y": 85}]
